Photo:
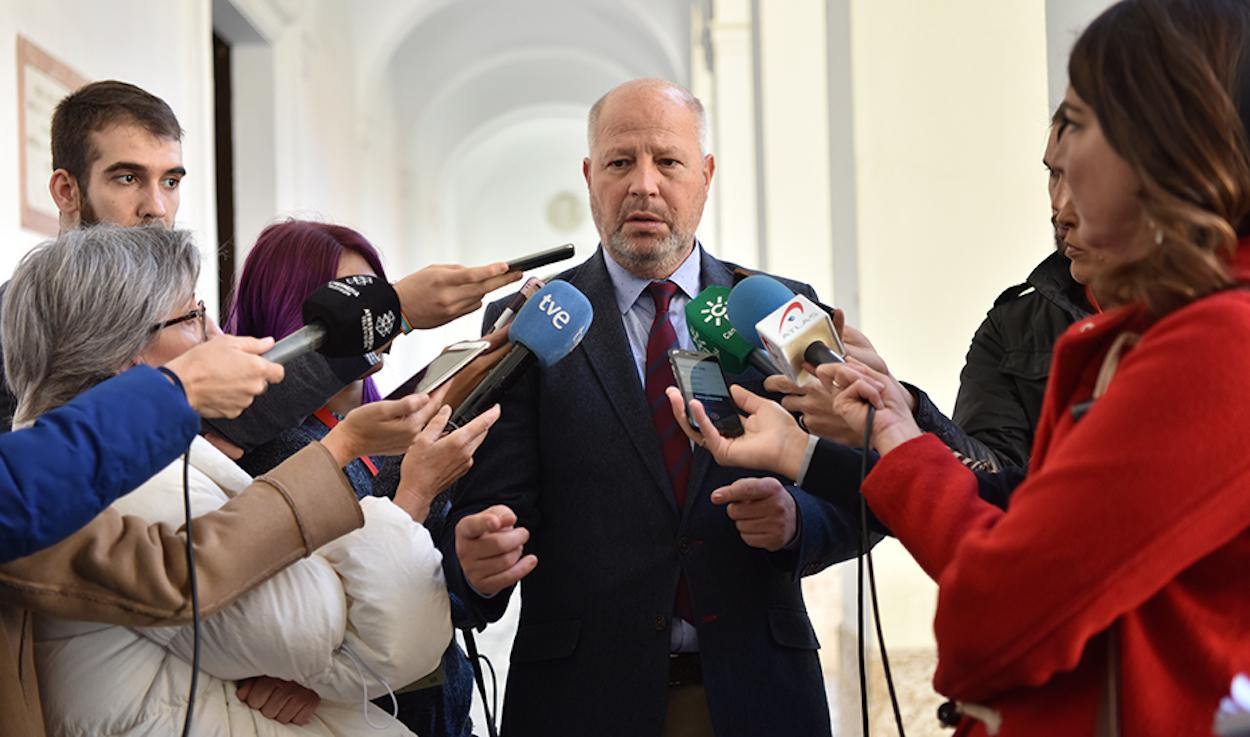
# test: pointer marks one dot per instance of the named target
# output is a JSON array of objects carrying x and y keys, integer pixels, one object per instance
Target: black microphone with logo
[{"x": 346, "y": 317}]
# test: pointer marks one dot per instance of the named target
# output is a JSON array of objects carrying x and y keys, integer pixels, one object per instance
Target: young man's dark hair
[{"x": 96, "y": 106}]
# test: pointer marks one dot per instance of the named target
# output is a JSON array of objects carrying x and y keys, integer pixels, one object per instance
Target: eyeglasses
[{"x": 199, "y": 313}]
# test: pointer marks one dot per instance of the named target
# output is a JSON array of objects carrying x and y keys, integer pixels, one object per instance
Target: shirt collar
[{"x": 629, "y": 287}]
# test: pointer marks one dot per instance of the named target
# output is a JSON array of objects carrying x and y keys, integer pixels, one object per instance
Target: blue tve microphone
[{"x": 546, "y": 329}]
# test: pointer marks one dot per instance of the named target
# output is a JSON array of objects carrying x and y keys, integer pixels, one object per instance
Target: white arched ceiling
[
  {"x": 474, "y": 112},
  {"x": 507, "y": 181},
  {"x": 463, "y": 77}
]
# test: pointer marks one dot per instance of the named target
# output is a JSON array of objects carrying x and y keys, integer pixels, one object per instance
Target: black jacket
[
  {"x": 576, "y": 456},
  {"x": 1004, "y": 376},
  {"x": 1000, "y": 391}
]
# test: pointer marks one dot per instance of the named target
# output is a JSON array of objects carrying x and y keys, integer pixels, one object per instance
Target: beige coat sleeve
[{"x": 122, "y": 570}]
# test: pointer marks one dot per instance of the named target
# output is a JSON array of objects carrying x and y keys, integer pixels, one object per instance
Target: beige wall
[
  {"x": 950, "y": 115},
  {"x": 941, "y": 109}
]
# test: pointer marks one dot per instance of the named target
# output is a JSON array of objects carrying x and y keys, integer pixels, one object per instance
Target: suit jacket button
[
  {"x": 683, "y": 545},
  {"x": 661, "y": 623}
]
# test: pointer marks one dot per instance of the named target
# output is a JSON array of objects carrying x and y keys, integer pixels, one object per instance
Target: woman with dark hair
[
  {"x": 1111, "y": 596},
  {"x": 289, "y": 261}
]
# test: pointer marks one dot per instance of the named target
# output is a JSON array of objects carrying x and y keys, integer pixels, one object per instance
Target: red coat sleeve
[{"x": 1152, "y": 479}]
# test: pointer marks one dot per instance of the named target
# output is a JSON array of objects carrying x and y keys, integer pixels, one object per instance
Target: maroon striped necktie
[{"x": 673, "y": 442}]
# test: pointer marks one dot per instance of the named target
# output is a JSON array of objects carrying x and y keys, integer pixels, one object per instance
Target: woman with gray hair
[{"x": 340, "y": 622}]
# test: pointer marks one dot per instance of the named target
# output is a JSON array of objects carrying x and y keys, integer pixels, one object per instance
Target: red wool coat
[{"x": 1137, "y": 515}]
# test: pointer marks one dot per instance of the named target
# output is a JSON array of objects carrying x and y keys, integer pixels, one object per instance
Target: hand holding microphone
[
  {"x": 859, "y": 387},
  {"x": 222, "y": 376}
]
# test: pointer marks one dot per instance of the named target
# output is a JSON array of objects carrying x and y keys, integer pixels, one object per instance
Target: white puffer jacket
[{"x": 377, "y": 593}]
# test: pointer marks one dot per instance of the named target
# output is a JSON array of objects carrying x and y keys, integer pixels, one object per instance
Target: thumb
[
  {"x": 248, "y": 344},
  {"x": 747, "y": 400},
  {"x": 839, "y": 320}
]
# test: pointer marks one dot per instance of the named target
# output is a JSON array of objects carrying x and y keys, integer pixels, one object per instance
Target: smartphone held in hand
[{"x": 699, "y": 376}]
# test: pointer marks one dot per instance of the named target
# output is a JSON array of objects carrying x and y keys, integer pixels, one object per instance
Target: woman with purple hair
[{"x": 289, "y": 261}]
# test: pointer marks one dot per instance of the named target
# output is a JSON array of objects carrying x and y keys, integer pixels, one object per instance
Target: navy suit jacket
[{"x": 576, "y": 456}]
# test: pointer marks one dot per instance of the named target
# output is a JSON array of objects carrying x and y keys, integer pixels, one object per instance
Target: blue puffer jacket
[{"x": 58, "y": 474}]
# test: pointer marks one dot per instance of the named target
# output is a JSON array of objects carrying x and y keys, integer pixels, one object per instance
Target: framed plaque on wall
[{"x": 42, "y": 81}]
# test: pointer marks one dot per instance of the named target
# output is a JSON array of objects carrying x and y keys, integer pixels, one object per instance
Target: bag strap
[{"x": 1109, "y": 708}]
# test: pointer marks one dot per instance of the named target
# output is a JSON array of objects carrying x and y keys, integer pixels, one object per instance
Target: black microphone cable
[
  {"x": 489, "y": 707},
  {"x": 865, "y": 554},
  {"x": 195, "y": 594}
]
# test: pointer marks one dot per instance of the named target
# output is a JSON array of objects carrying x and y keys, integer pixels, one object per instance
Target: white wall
[
  {"x": 1065, "y": 19},
  {"x": 160, "y": 46}
]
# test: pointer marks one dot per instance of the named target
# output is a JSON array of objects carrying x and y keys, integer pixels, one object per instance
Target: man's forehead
[{"x": 132, "y": 142}]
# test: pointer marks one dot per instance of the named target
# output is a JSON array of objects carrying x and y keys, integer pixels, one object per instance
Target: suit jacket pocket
[
  {"x": 791, "y": 628},
  {"x": 537, "y": 641}
]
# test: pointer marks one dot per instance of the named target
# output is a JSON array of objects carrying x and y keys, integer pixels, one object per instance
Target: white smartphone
[{"x": 453, "y": 358}]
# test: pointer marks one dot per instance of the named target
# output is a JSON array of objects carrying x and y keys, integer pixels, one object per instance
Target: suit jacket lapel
[
  {"x": 713, "y": 272},
  {"x": 607, "y": 351}
]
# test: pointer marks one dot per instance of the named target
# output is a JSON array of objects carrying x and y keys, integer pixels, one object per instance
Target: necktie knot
[{"x": 661, "y": 293}]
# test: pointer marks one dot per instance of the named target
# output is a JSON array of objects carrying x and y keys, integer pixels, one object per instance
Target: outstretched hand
[
  {"x": 435, "y": 460},
  {"x": 771, "y": 439},
  {"x": 438, "y": 294}
]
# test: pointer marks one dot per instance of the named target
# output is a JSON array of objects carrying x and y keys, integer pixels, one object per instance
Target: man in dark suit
[{"x": 661, "y": 592}]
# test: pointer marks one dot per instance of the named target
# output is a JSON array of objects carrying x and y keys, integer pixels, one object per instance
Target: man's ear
[
  {"x": 63, "y": 187},
  {"x": 586, "y": 170}
]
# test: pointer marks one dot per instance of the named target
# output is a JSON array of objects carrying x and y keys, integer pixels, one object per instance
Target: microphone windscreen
[
  {"x": 552, "y": 322},
  {"x": 752, "y": 300},
  {"x": 360, "y": 314},
  {"x": 707, "y": 319}
]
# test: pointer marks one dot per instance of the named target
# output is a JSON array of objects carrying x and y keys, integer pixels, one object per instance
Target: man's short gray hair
[
  {"x": 81, "y": 308},
  {"x": 682, "y": 94}
]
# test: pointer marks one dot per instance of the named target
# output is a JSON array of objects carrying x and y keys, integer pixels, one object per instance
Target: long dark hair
[{"x": 1167, "y": 80}]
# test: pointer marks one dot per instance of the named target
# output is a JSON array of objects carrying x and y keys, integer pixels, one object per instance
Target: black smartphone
[
  {"x": 542, "y": 258},
  {"x": 699, "y": 376},
  {"x": 453, "y": 358}
]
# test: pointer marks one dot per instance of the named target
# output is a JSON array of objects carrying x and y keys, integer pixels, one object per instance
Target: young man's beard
[{"x": 86, "y": 213}]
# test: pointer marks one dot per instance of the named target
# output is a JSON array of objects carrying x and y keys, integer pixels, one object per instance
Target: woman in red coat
[{"x": 1112, "y": 597}]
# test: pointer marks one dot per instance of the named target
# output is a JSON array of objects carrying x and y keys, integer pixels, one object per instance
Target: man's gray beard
[{"x": 659, "y": 258}]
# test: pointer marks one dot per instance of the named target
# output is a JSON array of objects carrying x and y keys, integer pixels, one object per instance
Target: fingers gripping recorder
[
  {"x": 546, "y": 329},
  {"x": 707, "y": 318},
  {"x": 351, "y": 316},
  {"x": 792, "y": 328}
]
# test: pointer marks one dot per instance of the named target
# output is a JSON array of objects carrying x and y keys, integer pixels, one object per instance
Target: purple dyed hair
[{"x": 288, "y": 263}]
